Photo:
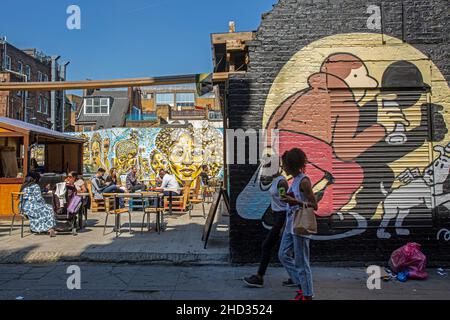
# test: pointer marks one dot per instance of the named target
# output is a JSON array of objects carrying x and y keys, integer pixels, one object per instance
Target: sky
[{"x": 131, "y": 38}]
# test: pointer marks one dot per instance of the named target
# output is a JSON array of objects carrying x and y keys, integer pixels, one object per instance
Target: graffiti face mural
[
  {"x": 364, "y": 124},
  {"x": 182, "y": 151}
]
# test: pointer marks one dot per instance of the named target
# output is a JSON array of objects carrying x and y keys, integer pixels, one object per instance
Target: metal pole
[
  {"x": 63, "y": 95},
  {"x": 53, "y": 92}
]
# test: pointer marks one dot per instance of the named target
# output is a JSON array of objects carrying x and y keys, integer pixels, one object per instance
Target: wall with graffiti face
[
  {"x": 371, "y": 112},
  {"x": 182, "y": 151}
]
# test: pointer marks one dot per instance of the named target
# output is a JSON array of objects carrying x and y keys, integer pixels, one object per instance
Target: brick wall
[
  {"x": 36, "y": 66},
  {"x": 292, "y": 42}
]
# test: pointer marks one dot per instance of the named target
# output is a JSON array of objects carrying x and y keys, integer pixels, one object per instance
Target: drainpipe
[
  {"x": 3, "y": 64},
  {"x": 63, "y": 95},
  {"x": 53, "y": 93}
]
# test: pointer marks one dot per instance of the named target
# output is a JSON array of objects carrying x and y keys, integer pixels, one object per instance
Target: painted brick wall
[{"x": 295, "y": 26}]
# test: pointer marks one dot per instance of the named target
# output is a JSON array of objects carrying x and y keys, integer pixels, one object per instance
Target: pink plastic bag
[{"x": 409, "y": 258}]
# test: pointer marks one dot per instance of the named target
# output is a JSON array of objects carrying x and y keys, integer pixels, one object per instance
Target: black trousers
[{"x": 271, "y": 241}]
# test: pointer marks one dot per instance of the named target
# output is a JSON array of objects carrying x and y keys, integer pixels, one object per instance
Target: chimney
[{"x": 231, "y": 27}]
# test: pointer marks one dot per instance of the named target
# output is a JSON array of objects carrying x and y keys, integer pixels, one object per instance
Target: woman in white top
[
  {"x": 279, "y": 209},
  {"x": 300, "y": 193}
]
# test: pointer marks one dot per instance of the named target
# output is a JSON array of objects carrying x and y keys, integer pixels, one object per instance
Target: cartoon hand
[
  {"x": 389, "y": 113},
  {"x": 408, "y": 175}
]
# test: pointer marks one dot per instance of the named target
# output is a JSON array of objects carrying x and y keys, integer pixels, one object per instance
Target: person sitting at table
[
  {"x": 75, "y": 180},
  {"x": 204, "y": 175},
  {"x": 132, "y": 182},
  {"x": 114, "y": 178},
  {"x": 33, "y": 205},
  {"x": 99, "y": 187},
  {"x": 168, "y": 181}
]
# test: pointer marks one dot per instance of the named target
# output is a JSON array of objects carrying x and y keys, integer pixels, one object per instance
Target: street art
[
  {"x": 182, "y": 151},
  {"x": 399, "y": 203},
  {"x": 364, "y": 123},
  {"x": 445, "y": 233}
]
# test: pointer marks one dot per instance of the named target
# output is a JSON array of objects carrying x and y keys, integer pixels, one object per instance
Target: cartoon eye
[{"x": 355, "y": 75}]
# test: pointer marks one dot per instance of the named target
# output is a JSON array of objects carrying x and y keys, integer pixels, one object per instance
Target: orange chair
[{"x": 195, "y": 197}]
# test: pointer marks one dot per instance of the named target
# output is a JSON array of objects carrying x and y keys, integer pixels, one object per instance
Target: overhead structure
[{"x": 116, "y": 83}]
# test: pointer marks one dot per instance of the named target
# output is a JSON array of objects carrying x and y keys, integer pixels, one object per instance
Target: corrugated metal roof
[{"x": 21, "y": 125}]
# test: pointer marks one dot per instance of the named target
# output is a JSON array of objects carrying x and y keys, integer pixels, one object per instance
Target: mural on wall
[
  {"x": 182, "y": 151},
  {"x": 364, "y": 123}
]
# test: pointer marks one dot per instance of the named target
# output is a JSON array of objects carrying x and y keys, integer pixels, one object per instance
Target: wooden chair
[
  {"x": 196, "y": 197},
  {"x": 15, "y": 200},
  {"x": 97, "y": 205},
  {"x": 111, "y": 208},
  {"x": 179, "y": 203},
  {"x": 148, "y": 210}
]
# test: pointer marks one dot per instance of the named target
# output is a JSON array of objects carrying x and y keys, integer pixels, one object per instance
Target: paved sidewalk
[
  {"x": 180, "y": 243},
  {"x": 150, "y": 282}
]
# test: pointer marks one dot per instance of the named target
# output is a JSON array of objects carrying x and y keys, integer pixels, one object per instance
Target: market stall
[{"x": 25, "y": 147}]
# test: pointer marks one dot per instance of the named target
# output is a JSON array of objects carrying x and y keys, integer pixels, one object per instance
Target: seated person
[
  {"x": 75, "y": 180},
  {"x": 204, "y": 175},
  {"x": 99, "y": 187},
  {"x": 132, "y": 182},
  {"x": 33, "y": 205},
  {"x": 114, "y": 178},
  {"x": 168, "y": 181}
]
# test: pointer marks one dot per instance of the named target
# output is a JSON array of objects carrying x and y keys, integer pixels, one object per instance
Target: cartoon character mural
[
  {"x": 181, "y": 151},
  {"x": 363, "y": 122}
]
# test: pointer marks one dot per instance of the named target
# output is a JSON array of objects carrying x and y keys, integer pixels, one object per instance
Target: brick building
[
  {"x": 329, "y": 75},
  {"x": 30, "y": 65}
]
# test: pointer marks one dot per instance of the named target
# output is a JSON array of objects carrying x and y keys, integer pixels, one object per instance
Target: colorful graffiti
[
  {"x": 182, "y": 151},
  {"x": 364, "y": 123}
]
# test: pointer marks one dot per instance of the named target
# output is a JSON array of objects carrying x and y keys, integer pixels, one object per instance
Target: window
[
  {"x": 28, "y": 72},
  {"x": 7, "y": 62},
  {"x": 20, "y": 68},
  {"x": 45, "y": 78},
  {"x": 40, "y": 76},
  {"x": 87, "y": 128},
  {"x": 148, "y": 96},
  {"x": 96, "y": 106},
  {"x": 215, "y": 115},
  {"x": 40, "y": 104},
  {"x": 45, "y": 106},
  {"x": 165, "y": 99},
  {"x": 185, "y": 100}
]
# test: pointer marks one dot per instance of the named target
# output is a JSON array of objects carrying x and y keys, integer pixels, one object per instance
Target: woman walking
[
  {"x": 33, "y": 205},
  {"x": 299, "y": 193},
  {"x": 279, "y": 208}
]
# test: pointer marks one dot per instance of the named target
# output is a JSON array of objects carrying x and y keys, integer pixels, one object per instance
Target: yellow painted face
[
  {"x": 158, "y": 162},
  {"x": 186, "y": 158}
]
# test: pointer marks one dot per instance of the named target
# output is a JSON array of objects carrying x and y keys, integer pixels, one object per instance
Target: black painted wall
[{"x": 291, "y": 25}]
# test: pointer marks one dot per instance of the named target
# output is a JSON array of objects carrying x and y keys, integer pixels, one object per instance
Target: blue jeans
[
  {"x": 298, "y": 267},
  {"x": 114, "y": 189}
]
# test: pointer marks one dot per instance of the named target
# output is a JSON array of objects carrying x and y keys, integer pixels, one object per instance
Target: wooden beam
[{"x": 98, "y": 84}]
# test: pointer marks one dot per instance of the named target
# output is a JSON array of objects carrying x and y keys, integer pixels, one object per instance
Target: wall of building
[
  {"x": 336, "y": 86},
  {"x": 37, "y": 66}
]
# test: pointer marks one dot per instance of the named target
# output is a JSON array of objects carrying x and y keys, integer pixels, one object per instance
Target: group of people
[
  {"x": 113, "y": 184},
  {"x": 39, "y": 212},
  {"x": 294, "y": 249}
]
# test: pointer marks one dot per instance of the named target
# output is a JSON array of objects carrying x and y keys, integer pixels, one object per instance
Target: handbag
[
  {"x": 304, "y": 222},
  {"x": 75, "y": 204}
]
